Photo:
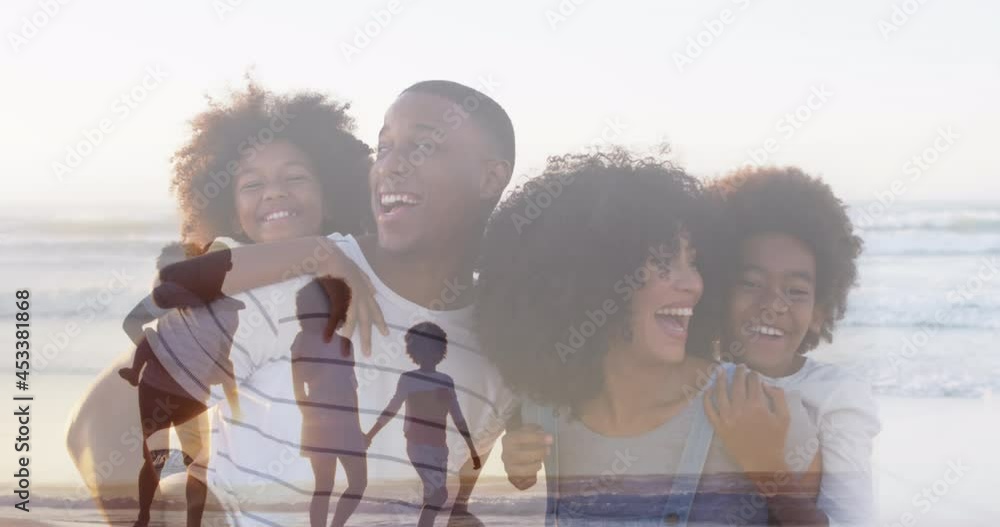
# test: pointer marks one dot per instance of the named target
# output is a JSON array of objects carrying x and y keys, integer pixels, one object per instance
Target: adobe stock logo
[
  {"x": 122, "y": 108},
  {"x": 31, "y": 25},
  {"x": 366, "y": 33}
]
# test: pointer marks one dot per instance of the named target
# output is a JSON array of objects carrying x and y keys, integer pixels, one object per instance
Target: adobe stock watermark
[
  {"x": 561, "y": 12},
  {"x": 86, "y": 312},
  {"x": 915, "y": 168},
  {"x": 247, "y": 150},
  {"x": 788, "y": 125},
  {"x": 33, "y": 24},
  {"x": 223, "y": 8},
  {"x": 900, "y": 16},
  {"x": 453, "y": 116},
  {"x": 704, "y": 39},
  {"x": 612, "y": 130},
  {"x": 365, "y": 34},
  {"x": 926, "y": 498},
  {"x": 625, "y": 288},
  {"x": 121, "y": 109},
  {"x": 988, "y": 270},
  {"x": 607, "y": 482}
]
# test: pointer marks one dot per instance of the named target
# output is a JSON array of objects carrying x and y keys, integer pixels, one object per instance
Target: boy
[
  {"x": 429, "y": 396},
  {"x": 788, "y": 258}
]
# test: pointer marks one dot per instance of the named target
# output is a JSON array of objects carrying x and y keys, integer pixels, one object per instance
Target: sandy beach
[{"x": 935, "y": 464}]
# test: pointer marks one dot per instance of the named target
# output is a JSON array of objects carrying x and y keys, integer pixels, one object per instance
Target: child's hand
[
  {"x": 364, "y": 312},
  {"x": 524, "y": 450},
  {"x": 368, "y": 439},
  {"x": 752, "y": 421},
  {"x": 476, "y": 463}
]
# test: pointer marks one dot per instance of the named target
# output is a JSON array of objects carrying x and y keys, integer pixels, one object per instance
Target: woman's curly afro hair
[
  {"x": 788, "y": 201},
  {"x": 222, "y": 134},
  {"x": 555, "y": 254}
]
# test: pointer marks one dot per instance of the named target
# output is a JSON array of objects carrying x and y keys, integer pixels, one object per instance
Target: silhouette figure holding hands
[
  {"x": 429, "y": 396},
  {"x": 326, "y": 390}
]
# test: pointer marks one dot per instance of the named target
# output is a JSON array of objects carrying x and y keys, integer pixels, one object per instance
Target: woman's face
[
  {"x": 661, "y": 309},
  {"x": 772, "y": 304},
  {"x": 277, "y": 194}
]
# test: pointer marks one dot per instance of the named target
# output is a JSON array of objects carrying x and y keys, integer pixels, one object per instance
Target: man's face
[
  {"x": 426, "y": 183},
  {"x": 772, "y": 303}
]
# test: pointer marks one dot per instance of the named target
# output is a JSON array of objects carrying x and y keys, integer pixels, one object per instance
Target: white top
[
  {"x": 257, "y": 460},
  {"x": 844, "y": 410},
  {"x": 200, "y": 347}
]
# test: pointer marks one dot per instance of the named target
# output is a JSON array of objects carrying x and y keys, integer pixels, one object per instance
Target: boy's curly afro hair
[
  {"x": 317, "y": 125},
  {"x": 555, "y": 254},
  {"x": 786, "y": 200}
]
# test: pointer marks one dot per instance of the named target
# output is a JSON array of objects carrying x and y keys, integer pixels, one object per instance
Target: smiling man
[{"x": 445, "y": 154}]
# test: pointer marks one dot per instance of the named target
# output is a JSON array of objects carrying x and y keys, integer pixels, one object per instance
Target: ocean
[
  {"x": 927, "y": 269},
  {"x": 922, "y": 325}
]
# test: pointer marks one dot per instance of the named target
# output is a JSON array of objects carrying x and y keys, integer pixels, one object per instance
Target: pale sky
[{"x": 889, "y": 92}]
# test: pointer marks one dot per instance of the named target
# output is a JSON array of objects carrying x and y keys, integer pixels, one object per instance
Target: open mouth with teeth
[
  {"x": 275, "y": 216},
  {"x": 674, "y": 320},
  {"x": 392, "y": 203},
  {"x": 766, "y": 332}
]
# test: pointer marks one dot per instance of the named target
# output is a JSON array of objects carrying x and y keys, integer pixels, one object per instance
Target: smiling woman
[{"x": 623, "y": 407}]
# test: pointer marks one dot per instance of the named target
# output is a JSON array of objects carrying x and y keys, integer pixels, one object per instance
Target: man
[{"x": 445, "y": 154}]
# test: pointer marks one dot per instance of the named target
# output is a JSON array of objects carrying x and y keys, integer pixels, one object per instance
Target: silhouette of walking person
[
  {"x": 429, "y": 396},
  {"x": 326, "y": 390},
  {"x": 174, "y": 367}
]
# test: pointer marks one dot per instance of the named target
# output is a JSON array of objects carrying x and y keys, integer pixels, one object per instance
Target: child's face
[
  {"x": 772, "y": 304},
  {"x": 426, "y": 179},
  {"x": 661, "y": 309},
  {"x": 277, "y": 194}
]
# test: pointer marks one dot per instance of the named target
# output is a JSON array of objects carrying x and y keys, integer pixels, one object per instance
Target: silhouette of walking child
[
  {"x": 326, "y": 390},
  {"x": 429, "y": 396},
  {"x": 174, "y": 367}
]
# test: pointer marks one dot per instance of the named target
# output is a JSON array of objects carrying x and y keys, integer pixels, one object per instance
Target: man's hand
[
  {"x": 752, "y": 421},
  {"x": 524, "y": 451},
  {"x": 364, "y": 312}
]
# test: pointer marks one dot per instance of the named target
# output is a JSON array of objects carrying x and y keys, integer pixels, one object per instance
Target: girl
[
  {"x": 259, "y": 167},
  {"x": 326, "y": 391},
  {"x": 587, "y": 311}
]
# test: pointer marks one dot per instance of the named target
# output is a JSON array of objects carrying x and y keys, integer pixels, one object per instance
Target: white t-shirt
[
  {"x": 200, "y": 347},
  {"x": 257, "y": 460},
  {"x": 843, "y": 408}
]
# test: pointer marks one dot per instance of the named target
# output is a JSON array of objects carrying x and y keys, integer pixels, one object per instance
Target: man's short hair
[{"x": 483, "y": 110}]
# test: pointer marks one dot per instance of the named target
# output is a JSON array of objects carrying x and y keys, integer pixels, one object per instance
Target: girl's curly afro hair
[
  {"x": 555, "y": 254},
  {"x": 222, "y": 134}
]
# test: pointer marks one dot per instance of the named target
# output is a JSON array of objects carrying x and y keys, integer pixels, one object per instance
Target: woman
[{"x": 587, "y": 309}]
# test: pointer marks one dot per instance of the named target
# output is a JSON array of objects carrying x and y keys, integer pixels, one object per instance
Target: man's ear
[{"x": 494, "y": 180}]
